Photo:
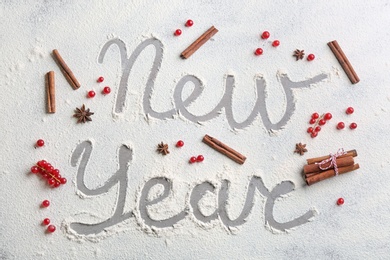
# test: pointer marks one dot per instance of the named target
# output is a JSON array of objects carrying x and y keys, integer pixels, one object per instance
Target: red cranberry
[
  {"x": 349, "y": 110},
  {"x": 189, "y": 23},
  {"x": 310, "y": 57},
  {"x": 258, "y": 51},
  {"x": 340, "y": 125},
  {"x": 265, "y": 35},
  {"x": 353, "y": 126}
]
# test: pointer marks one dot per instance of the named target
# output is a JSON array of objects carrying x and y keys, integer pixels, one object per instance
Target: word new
[{"x": 226, "y": 102}]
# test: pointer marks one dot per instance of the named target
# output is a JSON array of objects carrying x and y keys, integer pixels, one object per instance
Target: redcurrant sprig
[
  {"x": 318, "y": 121},
  {"x": 49, "y": 173}
]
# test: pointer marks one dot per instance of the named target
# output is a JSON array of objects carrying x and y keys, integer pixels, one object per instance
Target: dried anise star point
[
  {"x": 83, "y": 115},
  {"x": 300, "y": 148},
  {"x": 299, "y": 54},
  {"x": 162, "y": 148}
]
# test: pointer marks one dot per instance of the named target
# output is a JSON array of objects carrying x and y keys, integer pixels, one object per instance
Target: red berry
[
  {"x": 57, "y": 184},
  {"x": 177, "y": 32},
  {"x": 47, "y": 165},
  {"x": 310, "y": 57},
  {"x": 193, "y": 159},
  {"x": 189, "y": 23},
  {"x": 179, "y": 143},
  {"x": 353, "y": 126},
  {"x": 51, "y": 228},
  {"x": 106, "y": 90},
  {"x": 276, "y": 43},
  {"x": 40, "y": 143},
  {"x": 318, "y": 128},
  {"x": 63, "y": 180},
  {"x": 265, "y": 35},
  {"x": 258, "y": 51},
  {"x": 45, "y": 203},
  {"x": 322, "y": 122},
  {"x": 51, "y": 182},
  {"x": 91, "y": 94},
  {"x": 310, "y": 129},
  {"x": 313, "y": 134},
  {"x": 46, "y": 221},
  {"x": 349, "y": 110},
  {"x": 34, "y": 169},
  {"x": 100, "y": 79},
  {"x": 200, "y": 158},
  {"x": 328, "y": 116},
  {"x": 42, "y": 163},
  {"x": 340, "y": 201},
  {"x": 315, "y": 115},
  {"x": 312, "y": 121},
  {"x": 340, "y": 125},
  {"x": 56, "y": 172}
]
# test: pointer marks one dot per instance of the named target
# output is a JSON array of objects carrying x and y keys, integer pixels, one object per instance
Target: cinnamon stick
[
  {"x": 50, "y": 92},
  {"x": 66, "y": 70},
  {"x": 344, "y": 62},
  {"x": 199, "y": 42},
  {"x": 340, "y": 161},
  {"x": 330, "y": 173},
  {"x": 224, "y": 149},
  {"x": 352, "y": 153}
]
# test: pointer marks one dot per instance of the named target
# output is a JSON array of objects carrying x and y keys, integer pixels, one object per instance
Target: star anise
[
  {"x": 299, "y": 54},
  {"x": 300, "y": 148},
  {"x": 83, "y": 115},
  {"x": 162, "y": 148}
]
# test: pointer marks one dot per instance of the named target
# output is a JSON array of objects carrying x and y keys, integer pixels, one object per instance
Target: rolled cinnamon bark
[
  {"x": 352, "y": 153},
  {"x": 330, "y": 173},
  {"x": 199, "y": 42},
  {"x": 50, "y": 92},
  {"x": 224, "y": 149},
  {"x": 344, "y": 62},
  {"x": 340, "y": 161},
  {"x": 66, "y": 70}
]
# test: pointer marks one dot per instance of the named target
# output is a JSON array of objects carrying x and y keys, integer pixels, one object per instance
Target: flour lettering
[{"x": 82, "y": 154}]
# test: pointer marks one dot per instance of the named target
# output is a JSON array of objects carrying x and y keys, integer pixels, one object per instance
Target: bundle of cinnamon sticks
[{"x": 313, "y": 172}]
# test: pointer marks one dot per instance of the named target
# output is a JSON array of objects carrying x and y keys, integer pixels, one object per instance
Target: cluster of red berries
[
  {"x": 265, "y": 35},
  {"x": 48, "y": 172},
  {"x": 46, "y": 221},
  {"x": 320, "y": 121},
  {"x": 317, "y": 121},
  {"x": 353, "y": 125},
  {"x": 193, "y": 159},
  {"x": 53, "y": 178},
  {"x": 189, "y": 23},
  {"x": 106, "y": 90},
  {"x": 198, "y": 158}
]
